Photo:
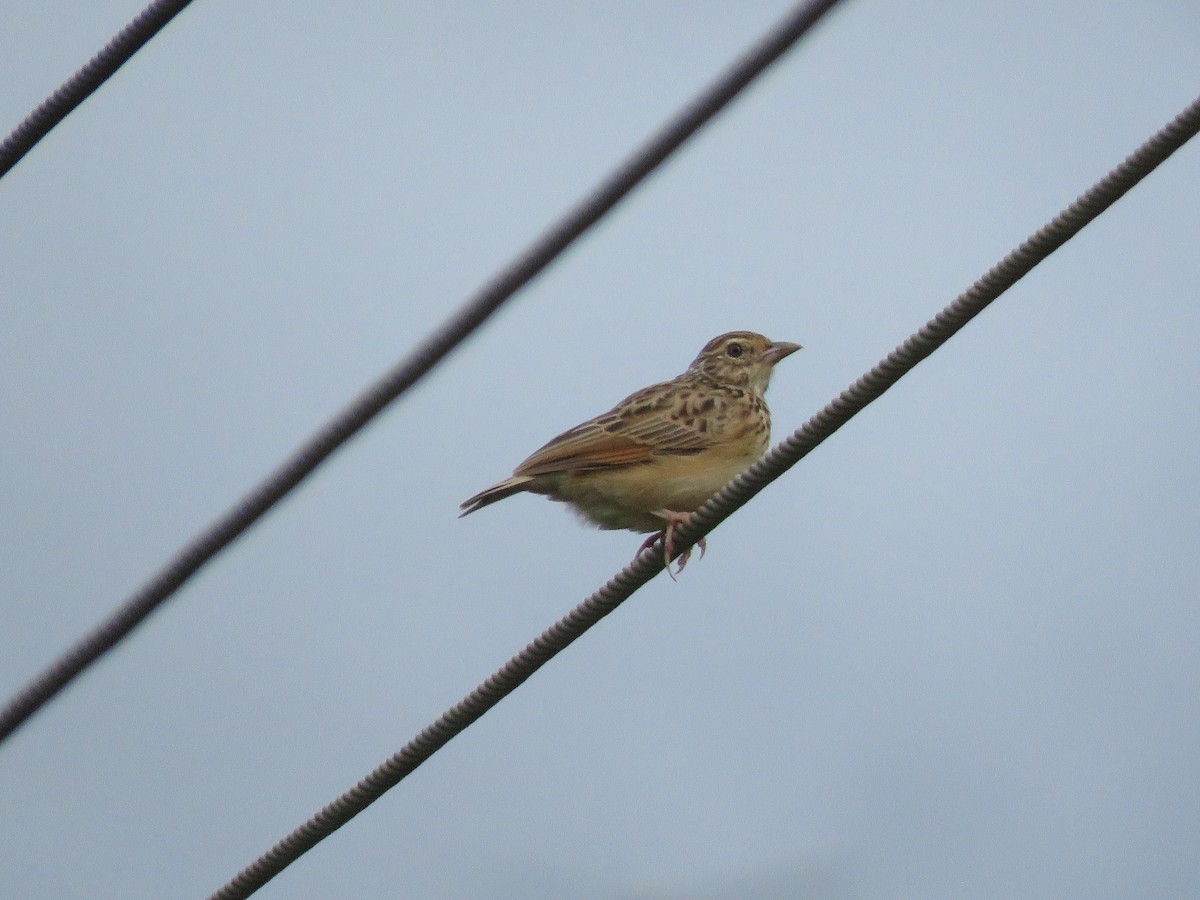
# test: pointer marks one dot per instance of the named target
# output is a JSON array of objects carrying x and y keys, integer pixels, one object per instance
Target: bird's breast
[{"x": 626, "y": 497}]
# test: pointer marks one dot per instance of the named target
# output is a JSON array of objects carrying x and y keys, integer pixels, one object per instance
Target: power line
[
  {"x": 145, "y": 25},
  {"x": 410, "y": 370},
  {"x": 728, "y": 500}
]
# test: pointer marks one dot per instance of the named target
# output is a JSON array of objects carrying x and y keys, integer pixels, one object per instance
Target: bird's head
[{"x": 741, "y": 359}]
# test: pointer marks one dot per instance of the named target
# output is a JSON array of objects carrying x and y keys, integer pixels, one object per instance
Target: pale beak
[{"x": 777, "y": 350}]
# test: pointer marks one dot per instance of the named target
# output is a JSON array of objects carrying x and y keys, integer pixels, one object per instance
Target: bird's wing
[{"x": 645, "y": 425}]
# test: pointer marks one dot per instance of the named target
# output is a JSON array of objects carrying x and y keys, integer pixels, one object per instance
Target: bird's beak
[{"x": 777, "y": 350}]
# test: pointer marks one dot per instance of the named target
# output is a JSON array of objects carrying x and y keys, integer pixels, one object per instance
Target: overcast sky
[{"x": 951, "y": 654}]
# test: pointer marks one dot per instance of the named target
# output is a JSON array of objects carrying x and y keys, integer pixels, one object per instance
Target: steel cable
[
  {"x": 728, "y": 500},
  {"x": 145, "y": 25},
  {"x": 405, "y": 374}
]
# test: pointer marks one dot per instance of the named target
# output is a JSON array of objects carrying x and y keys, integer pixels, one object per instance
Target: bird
[{"x": 660, "y": 453}]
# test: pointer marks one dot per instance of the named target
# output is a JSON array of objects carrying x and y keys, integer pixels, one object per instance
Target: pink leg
[
  {"x": 647, "y": 543},
  {"x": 673, "y": 520}
]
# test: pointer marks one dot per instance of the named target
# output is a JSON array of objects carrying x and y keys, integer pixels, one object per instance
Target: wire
[
  {"x": 728, "y": 500},
  {"x": 85, "y": 82},
  {"x": 405, "y": 374}
]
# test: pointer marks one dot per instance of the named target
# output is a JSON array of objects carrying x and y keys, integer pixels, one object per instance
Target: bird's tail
[{"x": 505, "y": 488}]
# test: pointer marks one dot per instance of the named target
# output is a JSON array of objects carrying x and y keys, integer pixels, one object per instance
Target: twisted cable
[
  {"x": 943, "y": 326},
  {"x": 145, "y": 25},
  {"x": 728, "y": 500}
]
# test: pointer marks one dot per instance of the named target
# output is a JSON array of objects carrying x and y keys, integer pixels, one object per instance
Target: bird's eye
[{"x": 735, "y": 350}]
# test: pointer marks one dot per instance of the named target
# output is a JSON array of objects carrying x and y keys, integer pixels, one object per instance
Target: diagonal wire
[
  {"x": 408, "y": 371},
  {"x": 85, "y": 82},
  {"x": 728, "y": 500}
]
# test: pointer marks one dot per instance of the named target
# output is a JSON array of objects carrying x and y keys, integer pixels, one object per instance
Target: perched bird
[{"x": 660, "y": 453}]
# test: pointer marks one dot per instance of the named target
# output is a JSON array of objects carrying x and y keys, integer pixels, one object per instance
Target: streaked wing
[{"x": 643, "y": 426}]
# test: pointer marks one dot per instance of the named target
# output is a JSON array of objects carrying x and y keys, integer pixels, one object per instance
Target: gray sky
[{"x": 952, "y": 654}]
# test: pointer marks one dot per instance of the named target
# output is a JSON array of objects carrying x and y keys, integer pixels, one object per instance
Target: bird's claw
[{"x": 673, "y": 520}]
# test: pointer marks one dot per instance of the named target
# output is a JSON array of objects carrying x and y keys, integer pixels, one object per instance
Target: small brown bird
[{"x": 660, "y": 453}]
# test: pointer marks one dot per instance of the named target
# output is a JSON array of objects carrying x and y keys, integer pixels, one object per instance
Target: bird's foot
[{"x": 673, "y": 520}]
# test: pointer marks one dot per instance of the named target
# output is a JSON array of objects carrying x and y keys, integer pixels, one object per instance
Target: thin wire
[
  {"x": 85, "y": 82},
  {"x": 404, "y": 375},
  {"x": 728, "y": 500}
]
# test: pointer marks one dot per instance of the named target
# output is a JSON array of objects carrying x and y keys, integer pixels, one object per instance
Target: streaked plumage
[{"x": 662, "y": 451}]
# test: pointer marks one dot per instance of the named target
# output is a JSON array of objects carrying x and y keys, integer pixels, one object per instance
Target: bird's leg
[
  {"x": 673, "y": 520},
  {"x": 647, "y": 543}
]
